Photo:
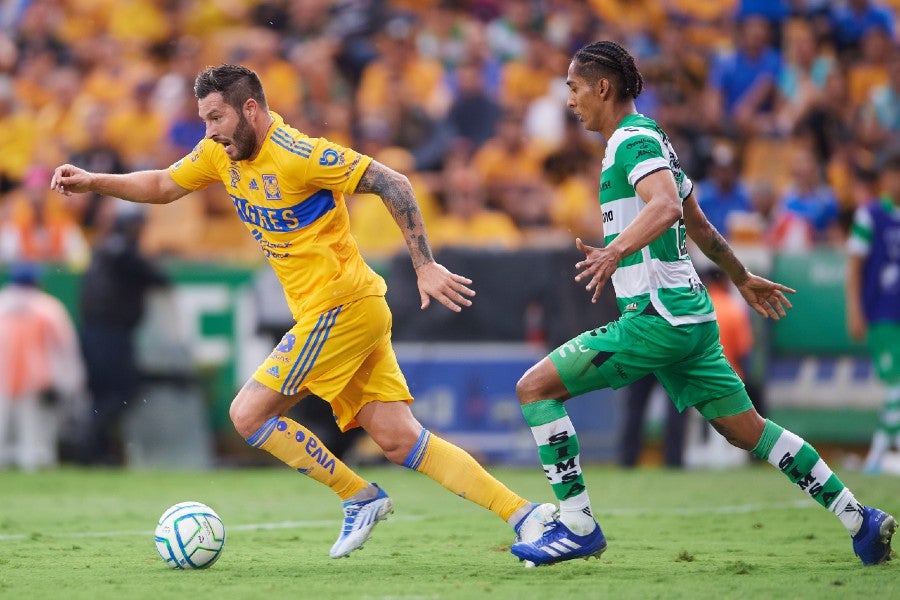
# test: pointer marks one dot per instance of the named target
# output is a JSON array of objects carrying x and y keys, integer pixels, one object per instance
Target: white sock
[
  {"x": 575, "y": 513},
  {"x": 848, "y": 510}
]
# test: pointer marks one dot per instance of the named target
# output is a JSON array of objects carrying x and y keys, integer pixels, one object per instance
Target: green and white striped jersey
[{"x": 662, "y": 272}]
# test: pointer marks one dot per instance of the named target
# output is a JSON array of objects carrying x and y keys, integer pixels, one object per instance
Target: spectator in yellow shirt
[
  {"x": 468, "y": 221},
  {"x": 17, "y": 136},
  {"x": 509, "y": 156},
  {"x": 527, "y": 78},
  {"x": 401, "y": 66},
  {"x": 277, "y": 74},
  {"x": 135, "y": 130}
]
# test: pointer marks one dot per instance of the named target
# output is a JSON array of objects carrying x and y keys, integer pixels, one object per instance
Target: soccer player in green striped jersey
[
  {"x": 667, "y": 327},
  {"x": 873, "y": 299}
]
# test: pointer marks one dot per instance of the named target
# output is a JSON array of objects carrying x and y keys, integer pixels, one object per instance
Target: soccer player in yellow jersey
[{"x": 288, "y": 189}]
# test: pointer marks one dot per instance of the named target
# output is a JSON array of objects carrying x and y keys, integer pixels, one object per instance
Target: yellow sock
[
  {"x": 456, "y": 470},
  {"x": 297, "y": 447}
]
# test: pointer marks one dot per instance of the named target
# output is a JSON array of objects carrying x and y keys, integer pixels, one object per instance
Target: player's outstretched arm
[
  {"x": 434, "y": 280},
  {"x": 148, "y": 187},
  {"x": 764, "y": 296}
]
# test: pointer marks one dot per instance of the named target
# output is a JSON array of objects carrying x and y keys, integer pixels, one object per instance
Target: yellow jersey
[{"x": 291, "y": 198}]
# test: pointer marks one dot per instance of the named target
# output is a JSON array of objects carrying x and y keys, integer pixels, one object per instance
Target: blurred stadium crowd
[{"x": 780, "y": 110}]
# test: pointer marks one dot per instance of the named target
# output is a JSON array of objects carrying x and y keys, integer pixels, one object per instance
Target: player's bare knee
[
  {"x": 395, "y": 446},
  {"x": 734, "y": 436},
  {"x": 738, "y": 441},
  {"x": 254, "y": 405},
  {"x": 395, "y": 451},
  {"x": 245, "y": 422},
  {"x": 396, "y": 455},
  {"x": 526, "y": 390},
  {"x": 237, "y": 418}
]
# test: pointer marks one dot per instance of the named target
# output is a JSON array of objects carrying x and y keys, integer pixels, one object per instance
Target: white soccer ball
[{"x": 190, "y": 535}]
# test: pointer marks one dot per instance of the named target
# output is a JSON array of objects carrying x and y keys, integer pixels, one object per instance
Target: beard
[{"x": 244, "y": 140}]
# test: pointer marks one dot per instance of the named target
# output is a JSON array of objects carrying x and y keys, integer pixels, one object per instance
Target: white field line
[
  {"x": 246, "y": 527},
  {"x": 696, "y": 510}
]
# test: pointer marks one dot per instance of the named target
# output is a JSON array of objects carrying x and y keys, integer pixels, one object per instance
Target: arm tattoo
[
  {"x": 398, "y": 196},
  {"x": 711, "y": 242},
  {"x": 718, "y": 250},
  {"x": 718, "y": 246}
]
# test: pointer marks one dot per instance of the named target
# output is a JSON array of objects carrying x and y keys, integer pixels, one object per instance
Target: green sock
[
  {"x": 802, "y": 464},
  {"x": 559, "y": 451}
]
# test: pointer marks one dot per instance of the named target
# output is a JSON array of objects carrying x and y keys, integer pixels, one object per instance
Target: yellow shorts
[{"x": 343, "y": 356}]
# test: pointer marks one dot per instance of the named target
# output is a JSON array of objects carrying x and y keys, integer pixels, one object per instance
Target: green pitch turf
[{"x": 746, "y": 533}]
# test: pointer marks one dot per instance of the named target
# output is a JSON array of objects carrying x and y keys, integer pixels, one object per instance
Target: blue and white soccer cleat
[
  {"x": 872, "y": 543},
  {"x": 535, "y": 523},
  {"x": 532, "y": 525},
  {"x": 558, "y": 543},
  {"x": 359, "y": 520}
]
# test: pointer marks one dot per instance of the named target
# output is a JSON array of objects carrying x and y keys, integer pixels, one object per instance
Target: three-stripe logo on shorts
[{"x": 310, "y": 352}]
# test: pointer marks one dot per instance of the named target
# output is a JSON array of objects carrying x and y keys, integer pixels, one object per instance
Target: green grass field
[{"x": 746, "y": 533}]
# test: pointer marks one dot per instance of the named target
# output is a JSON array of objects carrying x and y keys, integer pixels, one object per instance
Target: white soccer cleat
[
  {"x": 359, "y": 520},
  {"x": 535, "y": 523}
]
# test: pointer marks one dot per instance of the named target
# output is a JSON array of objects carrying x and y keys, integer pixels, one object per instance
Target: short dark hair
[
  {"x": 609, "y": 60},
  {"x": 236, "y": 83}
]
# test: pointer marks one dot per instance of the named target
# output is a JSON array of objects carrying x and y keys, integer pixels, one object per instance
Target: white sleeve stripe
[
  {"x": 649, "y": 173},
  {"x": 646, "y": 167}
]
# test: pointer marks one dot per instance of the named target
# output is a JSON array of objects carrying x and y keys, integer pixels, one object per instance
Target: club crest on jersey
[
  {"x": 235, "y": 173},
  {"x": 270, "y": 186}
]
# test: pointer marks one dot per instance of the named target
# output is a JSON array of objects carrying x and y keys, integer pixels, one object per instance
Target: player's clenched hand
[
  {"x": 599, "y": 264},
  {"x": 764, "y": 296},
  {"x": 69, "y": 179},
  {"x": 435, "y": 281}
]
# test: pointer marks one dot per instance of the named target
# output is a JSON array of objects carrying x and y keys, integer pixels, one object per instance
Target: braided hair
[{"x": 609, "y": 60}]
